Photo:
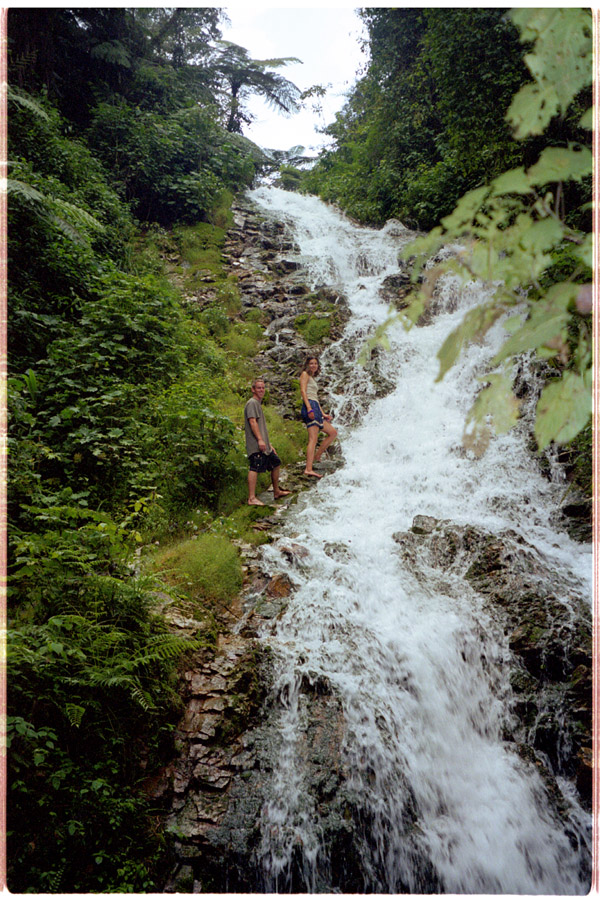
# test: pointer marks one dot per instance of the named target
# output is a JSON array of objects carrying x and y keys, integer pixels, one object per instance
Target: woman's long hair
[{"x": 308, "y": 359}]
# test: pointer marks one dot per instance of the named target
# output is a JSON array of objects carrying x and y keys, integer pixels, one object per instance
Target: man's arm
[{"x": 256, "y": 432}]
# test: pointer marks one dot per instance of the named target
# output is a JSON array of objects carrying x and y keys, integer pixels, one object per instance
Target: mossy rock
[{"x": 313, "y": 328}]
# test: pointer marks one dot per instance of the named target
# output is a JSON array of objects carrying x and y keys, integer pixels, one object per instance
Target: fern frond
[
  {"x": 164, "y": 648},
  {"x": 25, "y": 101},
  {"x": 78, "y": 215},
  {"x": 144, "y": 699},
  {"x": 74, "y": 714},
  {"x": 24, "y": 191}
]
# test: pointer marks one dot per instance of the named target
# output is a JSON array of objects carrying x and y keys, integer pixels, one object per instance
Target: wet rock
[
  {"x": 549, "y": 639},
  {"x": 423, "y": 524},
  {"x": 285, "y": 266},
  {"x": 295, "y": 553},
  {"x": 577, "y": 512},
  {"x": 396, "y": 290},
  {"x": 279, "y": 585},
  {"x": 337, "y": 551}
]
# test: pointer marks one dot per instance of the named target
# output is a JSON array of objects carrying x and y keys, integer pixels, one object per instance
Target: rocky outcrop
[
  {"x": 548, "y": 632},
  {"x": 273, "y": 283}
]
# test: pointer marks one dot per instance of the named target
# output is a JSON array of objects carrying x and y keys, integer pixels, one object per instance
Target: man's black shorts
[{"x": 263, "y": 462}]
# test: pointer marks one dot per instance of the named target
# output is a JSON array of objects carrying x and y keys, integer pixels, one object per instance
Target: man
[{"x": 261, "y": 455}]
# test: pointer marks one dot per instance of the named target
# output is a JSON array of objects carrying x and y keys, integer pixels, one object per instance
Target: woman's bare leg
[
  {"x": 331, "y": 433},
  {"x": 313, "y": 437}
]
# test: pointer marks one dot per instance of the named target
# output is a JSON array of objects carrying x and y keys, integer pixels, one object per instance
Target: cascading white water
[{"x": 416, "y": 661}]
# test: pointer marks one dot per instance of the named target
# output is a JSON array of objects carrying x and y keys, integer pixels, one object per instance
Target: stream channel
[
  {"x": 426, "y": 710},
  {"x": 414, "y": 658}
]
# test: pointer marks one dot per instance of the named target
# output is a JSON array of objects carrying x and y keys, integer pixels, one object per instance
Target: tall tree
[{"x": 245, "y": 76}]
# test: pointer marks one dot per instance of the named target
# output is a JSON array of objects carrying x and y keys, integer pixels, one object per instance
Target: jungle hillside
[{"x": 126, "y": 460}]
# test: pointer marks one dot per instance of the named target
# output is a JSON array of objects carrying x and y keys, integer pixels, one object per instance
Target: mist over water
[{"x": 419, "y": 666}]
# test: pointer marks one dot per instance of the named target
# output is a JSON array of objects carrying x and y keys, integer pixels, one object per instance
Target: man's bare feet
[
  {"x": 314, "y": 474},
  {"x": 254, "y": 501},
  {"x": 279, "y": 494}
]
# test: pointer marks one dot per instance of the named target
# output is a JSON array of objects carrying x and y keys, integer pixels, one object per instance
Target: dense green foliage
[
  {"x": 123, "y": 416},
  {"x": 426, "y": 121},
  {"x": 520, "y": 236}
]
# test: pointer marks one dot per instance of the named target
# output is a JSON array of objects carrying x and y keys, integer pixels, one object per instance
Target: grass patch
[
  {"x": 256, "y": 315},
  {"x": 215, "y": 320},
  {"x": 287, "y": 436},
  {"x": 206, "y": 568},
  {"x": 220, "y": 214},
  {"x": 200, "y": 247},
  {"x": 241, "y": 344},
  {"x": 228, "y": 295}
]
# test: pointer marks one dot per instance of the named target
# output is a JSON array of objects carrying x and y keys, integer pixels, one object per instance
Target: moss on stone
[{"x": 313, "y": 328}]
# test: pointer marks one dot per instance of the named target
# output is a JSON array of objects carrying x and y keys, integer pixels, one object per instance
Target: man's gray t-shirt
[{"x": 254, "y": 410}]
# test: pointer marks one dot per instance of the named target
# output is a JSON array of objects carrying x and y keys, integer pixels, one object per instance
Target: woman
[{"x": 313, "y": 416}]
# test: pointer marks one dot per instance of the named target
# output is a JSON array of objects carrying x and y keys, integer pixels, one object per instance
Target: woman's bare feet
[
  {"x": 279, "y": 494},
  {"x": 254, "y": 501},
  {"x": 313, "y": 473}
]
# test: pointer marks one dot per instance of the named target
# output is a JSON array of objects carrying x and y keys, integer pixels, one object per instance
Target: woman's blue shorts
[{"x": 318, "y": 419}]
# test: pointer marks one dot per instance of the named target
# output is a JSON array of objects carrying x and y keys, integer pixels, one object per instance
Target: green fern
[
  {"x": 74, "y": 714},
  {"x": 25, "y": 101}
]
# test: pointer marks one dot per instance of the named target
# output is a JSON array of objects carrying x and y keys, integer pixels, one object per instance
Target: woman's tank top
[{"x": 312, "y": 391}]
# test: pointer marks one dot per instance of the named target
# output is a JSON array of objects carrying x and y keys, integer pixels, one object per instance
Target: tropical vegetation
[
  {"x": 124, "y": 418},
  {"x": 125, "y": 152}
]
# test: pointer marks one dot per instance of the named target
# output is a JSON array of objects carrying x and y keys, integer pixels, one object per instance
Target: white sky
[{"x": 326, "y": 40}]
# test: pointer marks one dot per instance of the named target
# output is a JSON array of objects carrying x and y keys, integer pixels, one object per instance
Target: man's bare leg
[
  {"x": 252, "y": 498},
  {"x": 277, "y": 492}
]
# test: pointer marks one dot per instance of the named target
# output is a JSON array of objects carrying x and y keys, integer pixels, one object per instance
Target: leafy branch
[{"x": 508, "y": 234}]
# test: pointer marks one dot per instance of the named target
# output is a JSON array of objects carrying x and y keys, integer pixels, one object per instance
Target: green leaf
[
  {"x": 74, "y": 714},
  {"x": 542, "y": 235},
  {"x": 564, "y": 409},
  {"x": 548, "y": 319},
  {"x": 495, "y": 409},
  {"x": 561, "y": 63},
  {"x": 498, "y": 401},
  {"x": 473, "y": 327},
  {"x": 515, "y": 181},
  {"x": 561, "y": 164},
  {"x": 465, "y": 209},
  {"x": 531, "y": 109},
  {"x": 26, "y": 101},
  {"x": 585, "y": 251}
]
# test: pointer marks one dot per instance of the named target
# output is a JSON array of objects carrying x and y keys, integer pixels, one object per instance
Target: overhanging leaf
[
  {"x": 561, "y": 164},
  {"x": 473, "y": 327},
  {"x": 531, "y": 109},
  {"x": 563, "y": 410},
  {"x": 546, "y": 323},
  {"x": 515, "y": 181},
  {"x": 496, "y": 409},
  {"x": 465, "y": 210}
]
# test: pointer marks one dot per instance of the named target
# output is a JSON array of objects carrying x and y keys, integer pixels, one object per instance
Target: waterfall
[{"x": 412, "y": 655}]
